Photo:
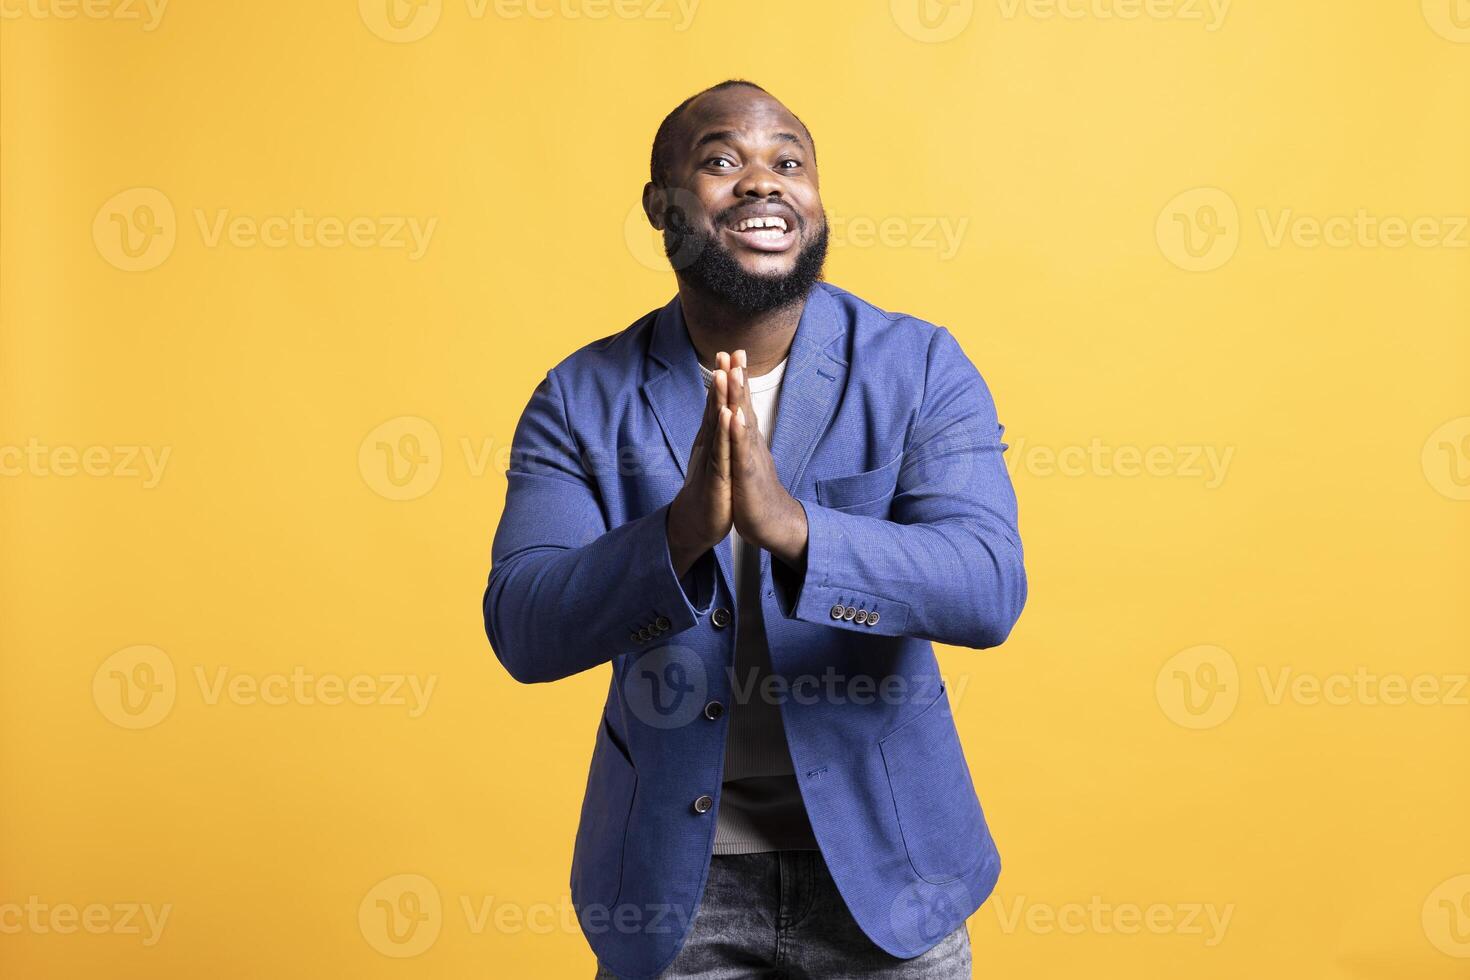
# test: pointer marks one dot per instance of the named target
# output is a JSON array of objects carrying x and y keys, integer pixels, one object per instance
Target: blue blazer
[{"x": 888, "y": 437}]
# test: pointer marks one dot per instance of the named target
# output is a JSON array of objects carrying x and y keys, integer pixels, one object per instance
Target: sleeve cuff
[
  {"x": 665, "y": 604},
  {"x": 698, "y": 584},
  {"x": 812, "y": 597}
]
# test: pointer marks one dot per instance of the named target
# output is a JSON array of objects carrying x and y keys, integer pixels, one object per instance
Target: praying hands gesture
[{"x": 732, "y": 480}]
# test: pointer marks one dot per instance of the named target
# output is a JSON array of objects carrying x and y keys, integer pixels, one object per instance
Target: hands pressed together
[{"x": 732, "y": 480}]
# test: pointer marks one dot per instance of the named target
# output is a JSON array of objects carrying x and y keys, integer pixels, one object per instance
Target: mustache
[{"x": 679, "y": 221}]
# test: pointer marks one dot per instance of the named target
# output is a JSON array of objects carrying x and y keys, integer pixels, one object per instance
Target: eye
[
  {"x": 713, "y": 160},
  {"x": 783, "y": 163}
]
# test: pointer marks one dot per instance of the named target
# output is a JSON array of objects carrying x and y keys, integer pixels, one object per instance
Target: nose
[{"x": 758, "y": 182}]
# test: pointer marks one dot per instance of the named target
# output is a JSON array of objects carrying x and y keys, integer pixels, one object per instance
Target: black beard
[{"x": 704, "y": 262}]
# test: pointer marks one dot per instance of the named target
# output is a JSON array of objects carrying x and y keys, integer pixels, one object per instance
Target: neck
[{"x": 714, "y": 327}]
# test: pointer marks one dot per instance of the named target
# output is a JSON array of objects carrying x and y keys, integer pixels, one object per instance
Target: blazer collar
[{"x": 808, "y": 387}]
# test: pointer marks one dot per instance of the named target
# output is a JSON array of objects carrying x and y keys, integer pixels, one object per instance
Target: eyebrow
[{"x": 730, "y": 136}]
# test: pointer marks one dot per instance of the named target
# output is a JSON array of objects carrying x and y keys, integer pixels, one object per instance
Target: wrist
[
  {"x": 790, "y": 539},
  {"x": 683, "y": 550}
]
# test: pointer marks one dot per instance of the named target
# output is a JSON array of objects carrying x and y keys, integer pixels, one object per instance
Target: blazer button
[
  {"x": 635, "y": 637},
  {"x": 713, "y": 710},
  {"x": 720, "y": 617},
  {"x": 861, "y": 617},
  {"x": 663, "y": 623},
  {"x": 702, "y": 804},
  {"x": 873, "y": 618},
  {"x": 643, "y": 634},
  {"x": 850, "y": 611},
  {"x": 838, "y": 610}
]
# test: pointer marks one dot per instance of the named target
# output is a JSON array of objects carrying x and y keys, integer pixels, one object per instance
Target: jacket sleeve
[
  {"x": 565, "y": 592},
  {"x": 947, "y": 563}
]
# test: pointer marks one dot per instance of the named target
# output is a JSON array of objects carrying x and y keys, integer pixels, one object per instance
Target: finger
[
  {"x": 738, "y": 447},
  {"x": 742, "y": 399},
  {"x": 722, "y": 444},
  {"x": 718, "y": 386},
  {"x": 722, "y": 366},
  {"x": 712, "y": 403},
  {"x": 706, "y": 424},
  {"x": 702, "y": 436},
  {"x": 723, "y": 362}
]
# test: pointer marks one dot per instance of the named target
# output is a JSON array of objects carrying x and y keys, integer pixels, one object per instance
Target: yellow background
[{"x": 1055, "y": 149}]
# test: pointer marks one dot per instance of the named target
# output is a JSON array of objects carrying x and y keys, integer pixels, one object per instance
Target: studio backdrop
[{"x": 277, "y": 280}]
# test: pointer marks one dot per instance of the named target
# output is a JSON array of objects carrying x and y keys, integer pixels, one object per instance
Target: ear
[{"x": 655, "y": 203}]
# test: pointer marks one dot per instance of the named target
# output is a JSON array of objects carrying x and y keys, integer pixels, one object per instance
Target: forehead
[{"x": 745, "y": 111}]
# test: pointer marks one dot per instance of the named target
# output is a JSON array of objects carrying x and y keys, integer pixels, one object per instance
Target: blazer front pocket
[
  {"x": 939, "y": 814},
  {"x": 868, "y": 491},
  {"x": 597, "y": 857}
]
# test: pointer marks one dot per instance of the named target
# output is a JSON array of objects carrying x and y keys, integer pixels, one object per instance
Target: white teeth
[{"x": 773, "y": 221}]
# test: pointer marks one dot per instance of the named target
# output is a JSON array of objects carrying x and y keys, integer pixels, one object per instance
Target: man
[{"x": 777, "y": 787}]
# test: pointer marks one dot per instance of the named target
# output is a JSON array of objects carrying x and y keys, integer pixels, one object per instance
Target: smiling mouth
[{"x": 767, "y": 233}]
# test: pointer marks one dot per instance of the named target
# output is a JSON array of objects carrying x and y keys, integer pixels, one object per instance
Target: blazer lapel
[{"x": 809, "y": 386}]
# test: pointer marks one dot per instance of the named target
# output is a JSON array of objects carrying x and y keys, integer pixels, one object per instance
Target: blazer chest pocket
[{"x": 868, "y": 492}]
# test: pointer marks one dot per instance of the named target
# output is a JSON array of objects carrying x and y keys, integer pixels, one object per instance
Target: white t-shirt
[{"x": 760, "y": 801}]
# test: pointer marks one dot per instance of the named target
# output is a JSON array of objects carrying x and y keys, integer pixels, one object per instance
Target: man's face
[{"x": 742, "y": 217}]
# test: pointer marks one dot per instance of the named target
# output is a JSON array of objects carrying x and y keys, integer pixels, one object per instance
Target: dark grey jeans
[{"x": 778, "y": 914}]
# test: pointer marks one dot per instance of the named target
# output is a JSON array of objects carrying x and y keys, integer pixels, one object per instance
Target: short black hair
[{"x": 663, "y": 140}]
